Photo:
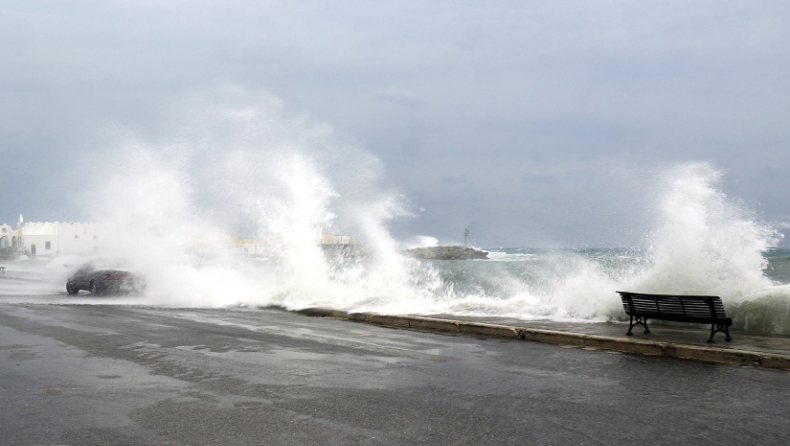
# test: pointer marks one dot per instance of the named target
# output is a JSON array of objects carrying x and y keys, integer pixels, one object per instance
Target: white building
[
  {"x": 7, "y": 239},
  {"x": 54, "y": 238}
]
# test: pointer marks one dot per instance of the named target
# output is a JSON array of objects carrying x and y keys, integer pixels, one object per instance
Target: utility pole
[
  {"x": 466, "y": 236},
  {"x": 239, "y": 206},
  {"x": 20, "y": 244}
]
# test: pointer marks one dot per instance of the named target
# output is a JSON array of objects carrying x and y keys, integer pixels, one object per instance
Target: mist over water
[{"x": 229, "y": 164}]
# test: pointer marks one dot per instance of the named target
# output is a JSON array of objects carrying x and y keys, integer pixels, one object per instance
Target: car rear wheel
[{"x": 72, "y": 289}]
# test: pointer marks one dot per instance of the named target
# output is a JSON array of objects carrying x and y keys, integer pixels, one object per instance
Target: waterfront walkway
[
  {"x": 666, "y": 339},
  {"x": 659, "y": 332}
]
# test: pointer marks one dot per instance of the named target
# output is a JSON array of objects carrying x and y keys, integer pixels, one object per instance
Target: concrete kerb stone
[
  {"x": 479, "y": 328},
  {"x": 399, "y": 321},
  {"x": 684, "y": 351},
  {"x": 434, "y": 324}
]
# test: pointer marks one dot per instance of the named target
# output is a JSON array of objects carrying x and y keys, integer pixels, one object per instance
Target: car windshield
[
  {"x": 84, "y": 269},
  {"x": 102, "y": 264}
]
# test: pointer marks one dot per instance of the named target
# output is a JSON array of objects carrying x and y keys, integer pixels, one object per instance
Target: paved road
[{"x": 83, "y": 375}]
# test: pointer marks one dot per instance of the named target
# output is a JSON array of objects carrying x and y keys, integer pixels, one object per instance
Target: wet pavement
[
  {"x": 125, "y": 375},
  {"x": 660, "y": 331}
]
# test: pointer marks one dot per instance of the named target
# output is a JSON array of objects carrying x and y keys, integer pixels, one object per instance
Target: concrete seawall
[{"x": 655, "y": 348}]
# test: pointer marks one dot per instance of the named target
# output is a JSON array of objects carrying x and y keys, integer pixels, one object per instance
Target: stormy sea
[{"x": 522, "y": 283}]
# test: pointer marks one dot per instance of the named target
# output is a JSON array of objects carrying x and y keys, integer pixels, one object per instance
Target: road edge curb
[{"x": 653, "y": 348}]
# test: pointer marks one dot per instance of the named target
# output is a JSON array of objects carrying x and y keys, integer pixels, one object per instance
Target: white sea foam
[
  {"x": 705, "y": 243},
  {"x": 234, "y": 166},
  {"x": 239, "y": 164},
  {"x": 419, "y": 241}
]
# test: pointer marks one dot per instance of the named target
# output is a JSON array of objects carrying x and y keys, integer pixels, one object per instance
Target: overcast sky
[{"x": 532, "y": 123}]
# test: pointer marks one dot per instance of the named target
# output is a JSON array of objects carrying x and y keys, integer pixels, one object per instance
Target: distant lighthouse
[{"x": 466, "y": 236}]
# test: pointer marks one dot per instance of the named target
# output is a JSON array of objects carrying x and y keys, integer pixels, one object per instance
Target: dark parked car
[{"x": 104, "y": 281}]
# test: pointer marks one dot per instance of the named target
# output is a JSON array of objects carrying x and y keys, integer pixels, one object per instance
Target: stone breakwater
[{"x": 447, "y": 253}]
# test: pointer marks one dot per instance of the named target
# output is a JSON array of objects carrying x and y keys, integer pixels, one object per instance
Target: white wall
[
  {"x": 67, "y": 238},
  {"x": 8, "y": 232}
]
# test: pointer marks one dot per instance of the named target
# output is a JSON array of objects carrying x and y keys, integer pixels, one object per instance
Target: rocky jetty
[{"x": 447, "y": 253}]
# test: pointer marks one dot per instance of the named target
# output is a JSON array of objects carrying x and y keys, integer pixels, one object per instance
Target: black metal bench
[{"x": 692, "y": 309}]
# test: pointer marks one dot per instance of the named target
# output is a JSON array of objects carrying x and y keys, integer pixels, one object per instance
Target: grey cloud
[{"x": 548, "y": 112}]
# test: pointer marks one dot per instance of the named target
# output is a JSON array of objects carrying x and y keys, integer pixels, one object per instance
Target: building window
[{"x": 47, "y": 245}]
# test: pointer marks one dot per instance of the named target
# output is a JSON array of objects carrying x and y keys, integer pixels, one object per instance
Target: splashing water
[
  {"x": 283, "y": 182},
  {"x": 705, "y": 244},
  {"x": 235, "y": 167}
]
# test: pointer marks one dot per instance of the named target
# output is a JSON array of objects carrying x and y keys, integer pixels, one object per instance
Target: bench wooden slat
[{"x": 679, "y": 308}]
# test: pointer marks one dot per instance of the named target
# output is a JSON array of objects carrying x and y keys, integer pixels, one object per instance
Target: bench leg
[
  {"x": 717, "y": 328},
  {"x": 639, "y": 321}
]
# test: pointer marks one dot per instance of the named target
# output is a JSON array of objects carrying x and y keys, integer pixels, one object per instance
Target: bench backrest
[{"x": 669, "y": 305}]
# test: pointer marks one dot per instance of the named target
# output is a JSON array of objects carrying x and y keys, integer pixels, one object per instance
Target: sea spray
[
  {"x": 240, "y": 164},
  {"x": 230, "y": 167},
  {"x": 705, "y": 243}
]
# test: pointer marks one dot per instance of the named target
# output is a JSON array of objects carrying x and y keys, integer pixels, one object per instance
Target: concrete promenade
[
  {"x": 686, "y": 341},
  {"x": 660, "y": 331}
]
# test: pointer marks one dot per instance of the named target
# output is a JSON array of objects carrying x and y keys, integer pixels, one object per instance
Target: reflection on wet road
[{"x": 83, "y": 374}]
